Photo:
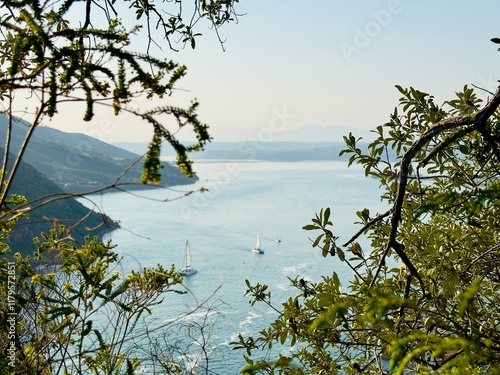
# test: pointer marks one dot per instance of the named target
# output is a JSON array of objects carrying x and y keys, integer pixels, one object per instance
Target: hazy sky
[{"x": 294, "y": 63}]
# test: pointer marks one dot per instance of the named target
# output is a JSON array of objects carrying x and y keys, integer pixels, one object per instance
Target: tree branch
[
  {"x": 368, "y": 225},
  {"x": 477, "y": 119}
]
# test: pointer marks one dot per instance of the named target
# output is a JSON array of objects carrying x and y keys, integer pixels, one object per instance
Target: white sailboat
[
  {"x": 188, "y": 270},
  {"x": 257, "y": 249}
]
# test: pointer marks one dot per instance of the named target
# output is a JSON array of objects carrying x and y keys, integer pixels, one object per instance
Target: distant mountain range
[
  {"x": 273, "y": 151},
  {"x": 56, "y": 162},
  {"x": 307, "y": 143},
  {"x": 306, "y": 133}
]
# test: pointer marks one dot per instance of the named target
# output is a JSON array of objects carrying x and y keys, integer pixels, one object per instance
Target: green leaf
[
  {"x": 326, "y": 249},
  {"x": 401, "y": 90},
  {"x": 340, "y": 254},
  {"x": 316, "y": 241},
  {"x": 310, "y": 227},
  {"x": 326, "y": 216},
  {"x": 283, "y": 337}
]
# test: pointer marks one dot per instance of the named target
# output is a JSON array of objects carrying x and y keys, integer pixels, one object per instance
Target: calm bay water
[{"x": 221, "y": 225}]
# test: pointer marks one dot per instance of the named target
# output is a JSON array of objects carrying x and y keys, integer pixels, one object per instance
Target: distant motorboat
[
  {"x": 188, "y": 270},
  {"x": 257, "y": 249}
]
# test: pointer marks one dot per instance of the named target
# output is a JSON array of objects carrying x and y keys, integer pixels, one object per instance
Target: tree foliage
[
  {"x": 79, "y": 316},
  {"x": 82, "y": 315},
  {"x": 74, "y": 51},
  {"x": 425, "y": 288}
]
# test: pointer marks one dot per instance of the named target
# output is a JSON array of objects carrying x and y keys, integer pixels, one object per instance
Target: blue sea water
[{"x": 273, "y": 198}]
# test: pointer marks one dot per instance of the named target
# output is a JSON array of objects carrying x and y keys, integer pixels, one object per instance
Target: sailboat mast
[{"x": 188, "y": 255}]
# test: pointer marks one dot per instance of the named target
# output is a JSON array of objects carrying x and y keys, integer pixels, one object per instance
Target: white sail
[
  {"x": 188, "y": 270},
  {"x": 188, "y": 255},
  {"x": 257, "y": 249}
]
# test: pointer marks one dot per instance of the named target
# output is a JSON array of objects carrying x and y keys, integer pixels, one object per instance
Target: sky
[{"x": 323, "y": 62}]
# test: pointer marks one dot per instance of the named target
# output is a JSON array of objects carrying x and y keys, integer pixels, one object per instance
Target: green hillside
[
  {"x": 79, "y": 163},
  {"x": 56, "y": 162},
  {"x": 33, "y": 185}
]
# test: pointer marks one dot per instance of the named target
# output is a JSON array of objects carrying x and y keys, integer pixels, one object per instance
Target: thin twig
[{"x": 368, "y": 225}]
